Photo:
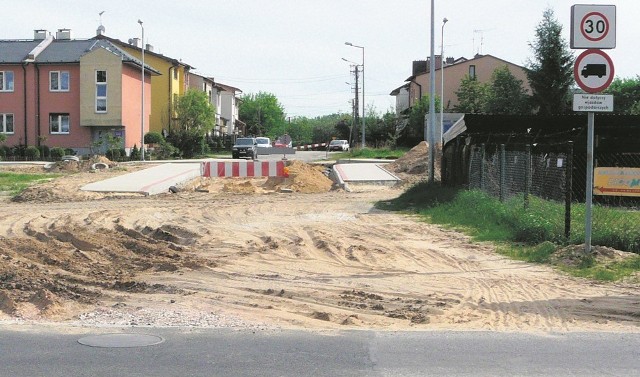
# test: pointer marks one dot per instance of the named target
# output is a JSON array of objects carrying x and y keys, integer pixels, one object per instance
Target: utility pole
[{"x": 356, "y": 104}]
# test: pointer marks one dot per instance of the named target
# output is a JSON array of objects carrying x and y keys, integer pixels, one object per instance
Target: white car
[
  {"x": 339, "y": 145},
  {"x": 263, "y": 142}
]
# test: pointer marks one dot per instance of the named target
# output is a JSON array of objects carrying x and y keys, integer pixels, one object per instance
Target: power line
[{"x": 281, "y": 80}]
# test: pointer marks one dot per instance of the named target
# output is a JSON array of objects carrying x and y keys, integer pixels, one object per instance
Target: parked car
[
  {"x": 245, "y": 147},
  {"x": 339, "y": 145},
  {"x": 263, "y": 142}
]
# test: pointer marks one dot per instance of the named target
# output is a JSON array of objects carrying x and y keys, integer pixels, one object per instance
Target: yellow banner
[{"x": 616, "y": 181}]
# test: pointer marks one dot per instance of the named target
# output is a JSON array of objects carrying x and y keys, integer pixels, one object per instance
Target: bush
[
  {"x": 19, "y": 150},
  {"x": 3, "y": 154},
  {"x": 6, "y": 151},
  {"x": 32, "y": 152},
  {"x": 153, "y": 138},
  {"x": 69, "y": 152},
  {"x": 165, "y": 151},
  {"x": 135, "y": 153},
  {"x": 57, "y": 153},
  {"x": 44, "y": 151},
  {"x": 114, "y": 154}
]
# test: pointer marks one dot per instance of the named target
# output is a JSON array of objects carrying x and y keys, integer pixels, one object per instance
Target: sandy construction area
[{"x": 238, "y": 252}]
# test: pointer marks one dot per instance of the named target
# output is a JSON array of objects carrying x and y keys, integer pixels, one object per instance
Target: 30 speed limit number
[{"x": 595, "y": 26}]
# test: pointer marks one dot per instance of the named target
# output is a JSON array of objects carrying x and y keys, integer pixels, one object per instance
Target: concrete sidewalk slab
[
  {"x": 372, "y": 173},
  {"x": 150, "y": 181}
]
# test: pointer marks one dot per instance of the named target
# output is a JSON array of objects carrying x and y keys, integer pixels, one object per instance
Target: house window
[
  {"x": 175, "y": 74},
  {"x": 101, "y": 91},
  {"x": 6, "y": 123},
  {"x": 6, "y": 81},
  {"x": 59, "y": 123},
  {"x": 472, "y": 71},
  {"x": 59, "y": 81}
]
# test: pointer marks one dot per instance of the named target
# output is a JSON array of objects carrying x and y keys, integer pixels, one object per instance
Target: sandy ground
[{"x": 237, "y": 252}]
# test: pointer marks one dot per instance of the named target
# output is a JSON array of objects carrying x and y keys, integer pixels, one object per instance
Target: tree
[
  {"x": 506, "y": 94},
  {"x": 300, "y": 131},
  {"x": 472, "y": 95},
  {"x": 550, "y": 73},
  {"x": 196, "y": 117},
  {"x": 626, "y": 95},
  {"x": 195, "y": 112},
  {"x": 263, "y": 115},
  {"x": 413, "y": 132},
  {"x": 382, "y": 129}
]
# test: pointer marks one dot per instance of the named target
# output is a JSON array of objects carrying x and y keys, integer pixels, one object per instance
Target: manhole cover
[{"x": 120, "y": 340}]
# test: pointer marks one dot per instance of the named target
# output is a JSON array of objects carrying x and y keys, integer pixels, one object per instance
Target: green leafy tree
[
  {"x": 263, "y": 114},
  {"x": 195, "y": 112},
  {"x": 635, "y": 109},
  {"x": 413, "y": 131},
  {"x": 300, "y": 130},
  {"x": 472, "y": 95},
  {"x": 506, "y": 94},
  {"x": 626, "y": 95},
  {"x": 550, "y": 72},
  {"x": 196, "y": 117}
]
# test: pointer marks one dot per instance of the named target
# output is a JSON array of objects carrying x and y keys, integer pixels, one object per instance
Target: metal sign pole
[{"x": 589, "y": 198}]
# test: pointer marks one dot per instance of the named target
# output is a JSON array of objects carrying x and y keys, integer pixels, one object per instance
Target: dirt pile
[
  {"x": 574, "y": 255},
  {"x": 304, "y": 178},
  {"x": 413, "y": 166},
  {"x": 239, "y": 187},
  {"x": 64, "y": 262},
  {"x": 413, "y": 162},
  {"x": 82, "y": 165}
]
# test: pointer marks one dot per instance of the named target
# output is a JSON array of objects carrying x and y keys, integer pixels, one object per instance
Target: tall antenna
[
  {"x": 481, "y": 32},
  {"x": 101, "y": 28}
]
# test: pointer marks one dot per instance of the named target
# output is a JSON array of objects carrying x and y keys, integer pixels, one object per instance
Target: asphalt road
[{"x": 226, "y": 352}]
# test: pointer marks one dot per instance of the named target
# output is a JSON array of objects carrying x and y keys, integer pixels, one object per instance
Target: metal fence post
[
  {"x": 568, "y": 187},
  {"x": 503, "y": 173},
  {"x": 527, "y": 175},
  {"x": 482, "y": 150}
]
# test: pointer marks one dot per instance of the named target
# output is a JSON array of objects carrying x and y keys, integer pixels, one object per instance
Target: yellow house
[{"x": 165, "y": 88}]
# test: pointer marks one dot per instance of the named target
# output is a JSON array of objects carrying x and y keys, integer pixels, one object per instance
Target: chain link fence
[{"x": 558, "y": 173}]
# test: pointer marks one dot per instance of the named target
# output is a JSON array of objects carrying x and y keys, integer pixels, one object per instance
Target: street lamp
[
  {"x": 432, "y": 99},
  {"x": 363, "y": 103},
  {"x": 142, "y": 100},
  {"x": 444, "y": 21}
]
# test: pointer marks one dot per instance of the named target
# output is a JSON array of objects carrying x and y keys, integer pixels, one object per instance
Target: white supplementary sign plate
[
  {"x": 593, "y": 102},
  {"x": 593, "y": 26}
]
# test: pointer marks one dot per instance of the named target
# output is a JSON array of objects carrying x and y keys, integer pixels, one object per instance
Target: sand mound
[
  {"x": 413, "y": 166},
  {"x": 303, "y": 178},
  {"x": 573, "y": 255},
  {"x": 243, "y": 187},
  {"x": 413, "y": 162}
]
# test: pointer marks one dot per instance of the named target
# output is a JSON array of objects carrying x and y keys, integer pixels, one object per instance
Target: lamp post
[
  {"x": 444, "y": 21},
  {"x": 363, "y": 103},
  {"x": 432, "y": 99},
  {"x": 142, "y": 100}
]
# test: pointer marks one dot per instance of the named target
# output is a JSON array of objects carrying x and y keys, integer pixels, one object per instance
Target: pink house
[{"x": 64, "y": 92}]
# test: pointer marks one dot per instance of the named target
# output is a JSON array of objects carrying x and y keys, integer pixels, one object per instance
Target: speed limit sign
[{"x": 593, "y": 26}]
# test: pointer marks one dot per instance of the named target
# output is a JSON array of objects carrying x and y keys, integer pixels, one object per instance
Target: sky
[{"x": 294, "y": 49}]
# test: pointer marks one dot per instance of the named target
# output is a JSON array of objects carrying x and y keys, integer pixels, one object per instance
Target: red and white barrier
[
  {"x": 311, "y": 146},
  {"x": 243, "y": 169}
]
